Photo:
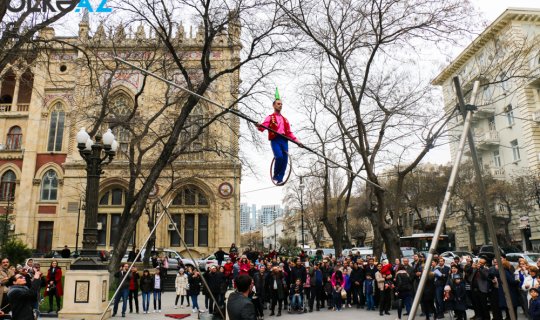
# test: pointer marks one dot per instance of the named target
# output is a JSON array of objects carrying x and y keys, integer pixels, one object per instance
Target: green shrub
[{"x": 16, "y": 250}]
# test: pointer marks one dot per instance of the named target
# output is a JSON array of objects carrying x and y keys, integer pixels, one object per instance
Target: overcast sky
[{"x": 261, "y": 160}]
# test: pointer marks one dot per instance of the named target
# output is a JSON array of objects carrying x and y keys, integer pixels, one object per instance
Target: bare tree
[
  {"x": 261, "y": 39},
  {"x": 19, "y": 25},
  {"x": 384, "y": 110}
]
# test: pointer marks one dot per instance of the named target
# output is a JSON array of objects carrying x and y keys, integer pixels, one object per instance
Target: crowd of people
[
  {"x": 21, "y": 288},
  {"x": 276, "y": 284},
  {"x": 303, "y": 284}
]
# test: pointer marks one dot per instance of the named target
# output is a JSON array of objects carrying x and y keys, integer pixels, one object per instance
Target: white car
[
  {"x": 209, "y": 261},
  {"x": 449, "y": 256},
  {"x": 531, "y": 258},
  {"x": 173, "y": 257}
]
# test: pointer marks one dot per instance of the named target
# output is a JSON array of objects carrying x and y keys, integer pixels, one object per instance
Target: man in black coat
[
  {"x": 21, "y": 298},
  {"x": 239, "y": 306},
  {"x": 357, "y": 278},
  {"x": 298, "y": 272},
  {"x": 215, "y": 281},
  {"x": 220, "y": 256}
]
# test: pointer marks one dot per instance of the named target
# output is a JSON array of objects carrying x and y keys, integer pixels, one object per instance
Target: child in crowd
[
  {"x": 460, "y": 297},
  {"x": 534, "y": 305},
  {"x": 369, "y": 292},
  {"x": 296, "y": 295}
]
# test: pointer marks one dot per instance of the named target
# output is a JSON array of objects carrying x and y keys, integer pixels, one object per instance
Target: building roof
[{"x": 510, "y": 14}]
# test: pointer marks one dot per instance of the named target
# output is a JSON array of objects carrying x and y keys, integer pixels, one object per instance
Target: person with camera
[
  {"x": 480, "y": 288},
  {"x": 21, "y": 298},
  {"x": 54, "y": 285}
]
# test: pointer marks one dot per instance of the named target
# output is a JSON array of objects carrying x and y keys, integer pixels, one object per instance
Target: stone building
[
  {"x": 505, "y": 58},
  {"x": 41, "y": 168}
]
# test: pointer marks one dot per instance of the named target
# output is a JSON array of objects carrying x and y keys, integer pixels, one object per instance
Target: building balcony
[
  {"x": 497, "y": 173},
  {"x": 487, "y": 140},
  {"x": 429, "y": 223},
  {"x": 485, "y": 111},
  {"x": 8, "y": 110}
]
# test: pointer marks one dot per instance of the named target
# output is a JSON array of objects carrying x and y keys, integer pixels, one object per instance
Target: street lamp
[
  {"x": 302, "y": 186},
  {"x": 96, "y": 154}
]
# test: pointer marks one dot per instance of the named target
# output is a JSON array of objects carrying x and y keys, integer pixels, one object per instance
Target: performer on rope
[{"x": 280, "y": 146}]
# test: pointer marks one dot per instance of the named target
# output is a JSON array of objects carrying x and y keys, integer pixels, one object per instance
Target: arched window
[
  {"x": 49, "y": 186},
  {"x": 111, "y": 205},
  {"x": 14, "y": 138},
  {"x": 190, "y": 208},
  {"x": 7, "y": 186},
  {"x": 56, "y": 128}
]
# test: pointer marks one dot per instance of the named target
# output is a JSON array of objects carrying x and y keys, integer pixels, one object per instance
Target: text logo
[{"x": 56, "y": 6}]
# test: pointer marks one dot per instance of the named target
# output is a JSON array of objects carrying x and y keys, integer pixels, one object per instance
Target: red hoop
[{"x": 272, "y": 171}]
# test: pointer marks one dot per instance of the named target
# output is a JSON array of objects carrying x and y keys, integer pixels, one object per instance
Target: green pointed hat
[{"x": 276, "y": 95}]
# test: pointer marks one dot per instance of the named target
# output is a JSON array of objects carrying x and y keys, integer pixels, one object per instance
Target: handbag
[{"x": 343, "y": 294}]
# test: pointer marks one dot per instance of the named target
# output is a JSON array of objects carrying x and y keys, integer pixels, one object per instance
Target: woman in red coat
[
  {"x": 54, "y": 285},
  {"x": 244, "y": 265}
]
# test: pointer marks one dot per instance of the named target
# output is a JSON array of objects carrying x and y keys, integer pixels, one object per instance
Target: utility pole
[{"x": 484, "y": 199}]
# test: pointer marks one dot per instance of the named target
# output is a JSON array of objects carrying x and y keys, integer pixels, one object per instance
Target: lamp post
[
  {"x": 302, "y": 186},
  {"x": 78, "y": 222},
  {"x": 96, "y": 155}
]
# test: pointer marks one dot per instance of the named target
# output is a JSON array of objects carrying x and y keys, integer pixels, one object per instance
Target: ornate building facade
[{"x": 43, "y": 104}]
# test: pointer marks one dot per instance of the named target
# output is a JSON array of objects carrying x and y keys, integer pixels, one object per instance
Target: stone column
[{"x": 16, "y": 91}]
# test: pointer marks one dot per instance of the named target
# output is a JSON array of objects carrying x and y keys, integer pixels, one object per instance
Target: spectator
[
  {"x": 220, "y": 256},
  {"x": 520, "y": 274},
  {"x": 480, "y": 288},
  {"x": 244, "y": 265},
  {"x": 5, "y": 275},
  {"x": 460, "y": 298},
  {"x": 65, "y": 253},
  {"x": 428, "y": 296},
  {"x": 146, "y": 283},
  {"x": 233, "y": 252},
  {"x": 276, "y": 282},
  {"x": 181, "y": 284},
  {"x": 338, "y": 284},
  {"x": 214, "y": 279},
  {"x": 131, "y": 255},
  {"x": 317, "y": 282},
  {"x": 534, "y": 306},
  {"x": 123, "y": 291},
  {"x": 385, "y": 285},
  {"x": 239, "y": 306},
  {"x": 134, "y": 290},
  {"x": 21, "y": 298},
  {"x": 531, "y": 281},
  {"x": 369, "y": 292},
  {"x": 157, "y": 288},
  {"x": 54, "y": 285},
  {"x": 228, "y": 272},
  {"x": 441, "y": 277},
  {"x": 259, "y": 282},
  {"x": 195, "y": 290},
  {"x": 404, "y": 289}
]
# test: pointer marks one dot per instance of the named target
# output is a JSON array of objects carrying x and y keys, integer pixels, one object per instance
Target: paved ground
[{"x": 168, "y": 308}]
